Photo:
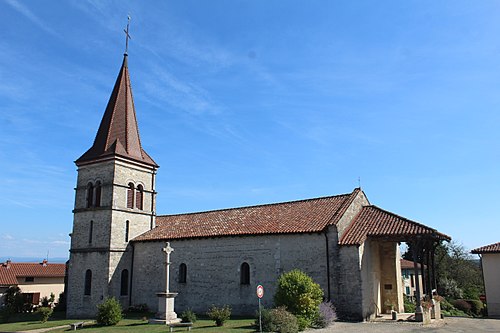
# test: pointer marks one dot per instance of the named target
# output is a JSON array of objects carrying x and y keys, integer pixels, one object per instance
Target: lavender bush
[{"x": 326, "y": 315}]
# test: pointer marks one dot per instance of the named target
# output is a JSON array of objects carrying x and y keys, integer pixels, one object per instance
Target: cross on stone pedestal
[{"x": 167, "y": 249}]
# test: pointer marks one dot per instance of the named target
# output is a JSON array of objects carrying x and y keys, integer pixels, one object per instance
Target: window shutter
[
  {"x": 36, "y": 298},
  {"x": 130, "y": 196},
  {"x": 138, "y": 197}
]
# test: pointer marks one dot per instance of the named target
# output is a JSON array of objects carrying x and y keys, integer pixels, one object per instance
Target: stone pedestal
[
  {"x": 436, "y": 310},
  {"x": 165, "y": 314}
]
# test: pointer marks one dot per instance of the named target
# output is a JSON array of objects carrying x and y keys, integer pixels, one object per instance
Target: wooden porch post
[{"x": 419, "y": 316}]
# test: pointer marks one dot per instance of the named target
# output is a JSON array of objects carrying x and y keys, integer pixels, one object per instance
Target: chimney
[
  {"x": 45, "y": 262},
  {"x": 7, "y": 263}
]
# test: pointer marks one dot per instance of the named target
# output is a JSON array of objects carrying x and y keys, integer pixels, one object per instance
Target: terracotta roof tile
[
  {"x": 374, "y": 221},
  {"x": 407, "y": 264},
  {"x": 311, "y": 215},
  {"x": 492, "y": 248},
  {"x": 118, "y": 133},
  {"x": 10, "y": 271}
]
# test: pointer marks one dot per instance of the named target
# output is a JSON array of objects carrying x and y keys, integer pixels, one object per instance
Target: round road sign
[{"x": 260, "y": 291}]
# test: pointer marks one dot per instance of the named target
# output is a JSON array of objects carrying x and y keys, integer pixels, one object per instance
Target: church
[{"x": 349, "y": 246}]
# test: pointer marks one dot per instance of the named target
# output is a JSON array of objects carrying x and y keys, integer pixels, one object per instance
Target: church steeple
[{"x": 118, "y": 133}]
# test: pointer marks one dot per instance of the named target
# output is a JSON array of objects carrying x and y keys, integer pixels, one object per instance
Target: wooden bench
[
  {"x": 74, "y": 326},
  {"x": 173, "y": 325}
]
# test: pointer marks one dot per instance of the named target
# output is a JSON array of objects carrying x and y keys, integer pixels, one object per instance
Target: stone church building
[{"x": 346, "y": 244}]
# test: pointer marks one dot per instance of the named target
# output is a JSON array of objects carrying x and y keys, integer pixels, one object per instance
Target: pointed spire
[{"x": 118, "y": 134}]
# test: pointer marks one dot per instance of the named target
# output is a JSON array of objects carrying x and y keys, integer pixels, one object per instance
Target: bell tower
[{"x": 114, "y": 202}]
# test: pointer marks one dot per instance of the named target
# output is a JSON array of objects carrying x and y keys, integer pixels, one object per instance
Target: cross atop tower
[{"x": 127, "y": 35}]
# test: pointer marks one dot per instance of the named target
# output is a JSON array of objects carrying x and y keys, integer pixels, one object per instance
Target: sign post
[{"x": 260, "y": 294}]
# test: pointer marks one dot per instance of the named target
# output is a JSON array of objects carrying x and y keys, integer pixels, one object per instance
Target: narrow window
[
  {"x": 88, "y": 282},
  {"x": 182, "y": 273},
  {"x": 90, "y": 194},
  {"x": 130, "y": 196},
  {"x": 124, "y": 283},
  {"x": 138, "y": 197},
  {"x": 127, "y": 227},
  {"x": 97, "y": 201},
  {"x": 91, "y": 231},
  {"x": 245, "y": 273}
]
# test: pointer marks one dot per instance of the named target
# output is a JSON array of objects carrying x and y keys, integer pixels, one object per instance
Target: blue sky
[{"x": 249, "y": 102}]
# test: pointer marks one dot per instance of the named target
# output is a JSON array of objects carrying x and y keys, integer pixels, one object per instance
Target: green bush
[
  {"x": 44, "y": 313},
  {"x": 476, "y": 307},
  {"x": 6, "y": 313},
  {"x": 61, "y": 303},
  {"x": 219, "y": 315},
  {"x": 409, "y": 305},
  {"x": 188, "y": 316},
  {"x": 300, "y": 295},
  {"x": 109, "y": 312},
  {"x": 278, "y": 320},
  {"x": 14, "y": 299}
]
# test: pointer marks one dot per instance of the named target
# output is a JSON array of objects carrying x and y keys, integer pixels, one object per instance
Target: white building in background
[{"x": 490, "y": 263}]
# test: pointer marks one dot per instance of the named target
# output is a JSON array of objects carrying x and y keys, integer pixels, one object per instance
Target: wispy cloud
[
  {"x": 7, "y": 237},
  {"x": 20, "y": 8}
]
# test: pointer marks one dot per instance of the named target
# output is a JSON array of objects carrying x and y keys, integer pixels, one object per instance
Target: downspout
[
  {"x": 131, "y": 275},
  {"x": 327, "y": 263}
]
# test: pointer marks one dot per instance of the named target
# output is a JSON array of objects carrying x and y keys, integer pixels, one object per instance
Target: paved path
[{"x": 449, "y": 325}]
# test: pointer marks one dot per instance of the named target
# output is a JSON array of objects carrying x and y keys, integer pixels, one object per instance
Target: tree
[{"x": 300, "y": 295}]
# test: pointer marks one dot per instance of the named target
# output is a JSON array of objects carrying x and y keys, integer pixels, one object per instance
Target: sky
[{"x": 252, "y": 102}]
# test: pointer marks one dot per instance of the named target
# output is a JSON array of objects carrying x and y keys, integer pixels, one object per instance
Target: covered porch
[{"x": 379, "y": 234}]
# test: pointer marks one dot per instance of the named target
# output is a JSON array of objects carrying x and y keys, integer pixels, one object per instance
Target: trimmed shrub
[
  {"x": 300, "y": 295},
  {"x": 462, "y": 305},
  {"x": 326, "y": 315},
  {"x": 278, "y": 320},
  {"x": 219, "y": 315},
  {"x": 109, "y": 312},
  {"x": 476, "y": 307},
  {"x": 188, "y": 316},
  {"x": 44, "y": 313}
]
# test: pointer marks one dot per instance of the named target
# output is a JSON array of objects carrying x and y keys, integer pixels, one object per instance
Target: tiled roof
[
  {"x": 118, "y": 134},
  {"x": 492, "y": 248},
  {"x": 311, "y": 215},
  {"x": 406, "y": 264},
  {"x": 9, "y": 271},
  {"x": 374, "y": 221}
]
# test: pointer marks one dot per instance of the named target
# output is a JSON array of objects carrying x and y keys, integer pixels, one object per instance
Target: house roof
[
  {"x": 303, "y": 216},
  {"x": 376, "y": 222},
  {"x": 492, "y": 248},
  {"x": 10, "y": 271},
  {"x": 408, "y": 264},
  {"x": 118, "y": 133}
]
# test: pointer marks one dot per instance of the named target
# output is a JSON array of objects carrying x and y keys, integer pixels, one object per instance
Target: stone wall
[
  {"x": 349, "y": 300},
  {"x": 107, "y": 253},
  {"x": 213, "y": 269}
]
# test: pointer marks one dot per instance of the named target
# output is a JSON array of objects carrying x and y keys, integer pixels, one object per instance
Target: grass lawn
[
  {"x": 30, "y": 321},
  {"x": 27, "y": 322}
]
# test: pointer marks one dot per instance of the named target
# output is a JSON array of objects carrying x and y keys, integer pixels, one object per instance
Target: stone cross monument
[{"x": 166, "y": 314}]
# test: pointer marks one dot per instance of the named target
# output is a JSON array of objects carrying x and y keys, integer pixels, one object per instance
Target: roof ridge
[{"x": 255, "y": 206}]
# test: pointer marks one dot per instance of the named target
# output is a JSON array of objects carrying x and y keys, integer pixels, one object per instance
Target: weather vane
[{"x": 127, "y": 35}]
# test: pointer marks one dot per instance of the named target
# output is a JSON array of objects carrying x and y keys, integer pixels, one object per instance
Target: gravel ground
[{"x": 455, "y": 325}]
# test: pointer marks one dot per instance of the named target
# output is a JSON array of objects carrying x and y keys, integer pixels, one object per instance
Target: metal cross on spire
[{"x": 127, "y": 35}]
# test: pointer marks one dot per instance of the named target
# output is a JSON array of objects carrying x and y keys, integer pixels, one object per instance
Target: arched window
[
  {"x": 182, "y": 273},
  {"x": 138, "y": 196},
  {"x": 127, "y": 229},
  {"x": 90, "y": 194},
  {"x": 245, "y": 273},
  {"x": 124, "y": 283},
  {"x": 88, "y": 282},
  {"x": 91, "y": 231},
  {"x": 97, "y": 202},
  {"x": 130, "y": 196}
]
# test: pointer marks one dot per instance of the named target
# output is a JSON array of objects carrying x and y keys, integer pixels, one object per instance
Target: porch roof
[{"x": 373, "y": 221}]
